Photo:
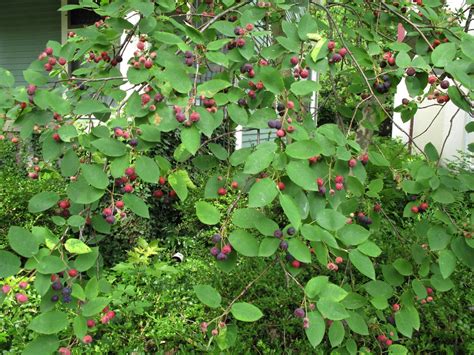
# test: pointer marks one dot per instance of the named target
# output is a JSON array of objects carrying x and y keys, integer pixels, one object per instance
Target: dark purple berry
[
  {"x": 54, "y": 298},
  {"x": 215, "y": 251},
  {"x": 299, "y": 313},
  {"x": 216, "y": 238},
  {"x": 283, "y": 245},
  {"x": 278, "y": 233},
  {"x": 221, "y": 256},
  {"x": 291, "y": 231}
]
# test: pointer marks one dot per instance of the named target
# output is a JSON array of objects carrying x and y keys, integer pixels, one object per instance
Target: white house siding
[{"x": 427, "y": 129}]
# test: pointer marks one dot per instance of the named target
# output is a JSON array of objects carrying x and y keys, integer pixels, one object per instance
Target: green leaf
[
  {"x": 51, "y": 322},
  {"x": 336, "y": 333},
  {"x": 397, "y": 349},
  {"x": 167, "y": 37},
  {"x": 458, "y": 99},
  {"x": 331, "y": 220},
  {"x": 403, "y": 267},
  {"x": 438, "y": 238},
  {"x": 67, "y": 132},
  {"x": 9, "y": 264},
  {"x": 70, "y": 163},
  {"x": 316, "y": 285},
  {"x": 301, "y": 174},
  {"x": 362, "y": 263},
  {"x": 378, "y": 159},
  {"x": 419, "y": 288},
  {"x": 191, "y": 138},
  {"x": 110, "y": 147},
  {"x": 79, "y": 326},
  {"x": 291, "y": 210},
  {"x": 43, "y": 344},
  {"x": 80, "y": 192},
  {"x": 147, "y": 169},
  {"x": 51, "y": 264},
  {"x": 244, "y": 243},
  {"x": 76, "y": 221},
  {"x": 42, "y": 201},
  {"x": 212, "y": 87},
  {"x": 208, "y": 295},
  {"x": 443, "y": 54},
  {"x": 136, "y": 205},
  {"x": 84, "y": 262},
  {"x": 22, "y": 241},
  {"x": 268, "y": 247},
  {"x": 180, "y": 182},
  {"x": 89, "y": 106},
  {"x": 317, "y": 327},
  {"x": 95, "y": 175},
  {"x": 370, "y": 249},
  {"x": 406, "y": 320},
  {"x": 357, "y": 323},
  {"x": 304, "y": 87},
  {"x": 6, "y": 78},
  {"x": 207, "y": 213},
  {"x": 272, "y": 79},
  {"x": 78, "y": 292},
  {"x": 238, "y": 114},
  {"x": 443, "y": 195},
  {"x": 304, "y": 149},
  {"x": 218, "y": 151},
  {"x": 299, "y": 250},
  {"x": 76, "y": 246},
  {"x": 431, "y": 152},
  {"x": 260, "y": 159},
  {"x": 333, "y": 292},
  {"x": 447, "y": 263},
  {"x": 353, "y": 234},
  {"x": 332, "y": 310},
  {"x": 246, "y": 312},
  {"x": 94, "y": 306},
  {"x": 262, "y": 193}
]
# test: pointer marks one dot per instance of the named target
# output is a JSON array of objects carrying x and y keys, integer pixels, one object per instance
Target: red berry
[
  {"x": 221, "y": 191},
  {"x": 72, "y": 273},
  {"x": 432, "y": 79},
  {"x": 130, "y": 171},
  {"x": 294, "y": 60},
  {"x": 290, "y": 105},
  {"x": 304, "y": 73},
  {"x": 87, "y": 339},
  {"x": 21, "y": 298},
  {"x": 90, "y": 323},
  {"x": 107, "y": 212},
  {"x": 415, "y": 209},
  {"x": 314, "y": 159},
  {"x": 128, "y": 188},
  {"x": 119, "y": 204},
  {"x": 56, "y": 137},
  {"x": 49, "y": 51},
  {"x": 339, "y": 186},
  {"x": 352, "y": 163},
  {"x": 339, "y": 260},
  {"x": 64, "y": 351},
  {"x": 281, "y": 186},
  {"x": 249, "y": 27},
  {"x": 331, "y": 45},
  {"x": 234, "y": 185},
  {"x": 339, "y": 179},
  {"x": 343, "y": 52},
  {"x": 195, "y": 117},
  {"x": 280, "y": 133},
  {"x": 388, "y": 342},
  {"x": 62, "y": 61},
  {"x": 320, "y": 182},
  {"x": 226, "y": 249},
  {"x": 296, "y": 264},
  {"x": 396, "y": 307},
  {"x": 145, "y": 99},
  {"x": 158, "y": 194}
]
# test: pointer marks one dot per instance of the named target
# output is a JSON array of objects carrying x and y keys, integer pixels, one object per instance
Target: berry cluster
[
  {"x": 162, "y": 194},
  {"x": 52, "y": 61},
  {"x": 220, "y": 253},
  {"x": 338, "y": 56}
]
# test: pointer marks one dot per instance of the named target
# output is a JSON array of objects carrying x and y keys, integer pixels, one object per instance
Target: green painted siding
[{"x": 25, "y": 28}]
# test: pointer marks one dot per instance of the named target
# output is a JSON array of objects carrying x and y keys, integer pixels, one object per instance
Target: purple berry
[
  {"x": 180, "y": 117},
  {"x": 133, "y": 142},
  {"x": 110, "y": 219},
  {"x": 283, "y": 245},
  {"x": 56, "y": 286},
  {"x": 216, "y": 238},
  {"x": 215, "y": 251},
  {"x": 291, "y": 231},
  {"x": 54, "y": 298},
  {"x": 299, "y": 313},
  {"x": 278, "y": 233},
  {"x": 221, "y": 256},
  {"x": 272, "y": 123}
]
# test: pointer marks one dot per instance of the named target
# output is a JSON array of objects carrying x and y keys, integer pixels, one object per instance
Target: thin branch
[{"x": 447, "y": 136}]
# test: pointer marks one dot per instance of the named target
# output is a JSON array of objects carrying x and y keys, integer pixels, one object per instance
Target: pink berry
[
  {"x": 23, "y": 285},
  {"x": 339, "y": 260},
  {"x": 226, "y": 249},
  {"x": 6, "y": 289},
  {"x": 87, "y": 339},
  {"x": 64, "y": 351},
  {"x": 352, "y": 163},
  {"x": 21, "y": 298}
]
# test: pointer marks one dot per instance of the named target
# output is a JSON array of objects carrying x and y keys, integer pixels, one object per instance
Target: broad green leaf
[
  {"x": 42, "y": 344},
  {"x": 299, "y": 250},
  {"x": 82, "y": 193},
  {"x": 357, "y": 323},
  {"x": 336, "y": 333},
  {"x": 6, "y": 78},
  {"x": 246, "y": 312},
  {"x": 291, "y": 210},
  {"x": 95, "y": 175},
  {"x": 302, "y": 175},
  {"x": 70, "y": 163},
  {"x": 316, "y": 285},
  {"x": 443, "y": 54},
  {"x": 447, "y": 263},
  {"x": 191, "y": 138},
  {"x": 260, "y": 159},
  {"x": 89, "y": 106},
  {"x": 244, "y": 242},
  {"x": 353, "y": 234},
  {"x": 76, "y": 246},
  {"x": 110, "y": 147},
  {"x": 51, "y": 322},
  {"x": 362, "y": 263},
  {"x": 262, "y": 193},
  {"x": 208, "y": 295},
  {"x": 331, "y": 220},
  {"x": 207, "y": 213},
  {"x": 42, "y": 201},
  {"x": 22, "y": 241},
  {"x": 51, "y": 264},
  {"x": 272, "y": 79},
  {"x": 332, "y": 310},
  {"x": 9, "y": 264},
  {"x": 317, "y": 327},
  {"x": 94, "y": 306},
  {"x": 438, "y": 237},
  {"x": 304, "y": 87},
  {"x": 147, "y": 169},
  {"x": 212, "y": 87},
  {"x": 136, "y": 205}
]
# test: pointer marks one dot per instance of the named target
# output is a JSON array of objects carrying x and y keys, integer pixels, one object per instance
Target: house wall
[
  {"x": 25, "y": 28},
  {"x": 433, "y": 124}
]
